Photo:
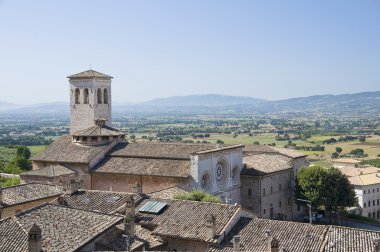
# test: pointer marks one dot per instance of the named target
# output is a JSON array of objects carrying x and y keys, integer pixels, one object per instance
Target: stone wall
[
  {"x": 272, "y": 195},
  {"x": 125, "y": 183},
  {"x": 12, "y": 210}
]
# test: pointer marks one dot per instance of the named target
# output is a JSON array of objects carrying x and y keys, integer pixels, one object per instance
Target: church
[{"x": 98, "y": 155}]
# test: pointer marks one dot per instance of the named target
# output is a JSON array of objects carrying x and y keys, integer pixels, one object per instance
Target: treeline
[
  {"x": 21, "y": 162},
  {"x": 344, "y": 139},
  {"x": 25, "y": 140}
]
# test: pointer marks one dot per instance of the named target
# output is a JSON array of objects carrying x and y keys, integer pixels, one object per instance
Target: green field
[{"x": 37, "y": 149}]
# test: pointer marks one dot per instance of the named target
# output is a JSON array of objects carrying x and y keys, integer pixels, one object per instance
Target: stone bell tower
[{"x": 90, "y": 99}]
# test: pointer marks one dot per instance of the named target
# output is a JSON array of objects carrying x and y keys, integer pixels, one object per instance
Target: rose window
[{"x": 221, "y": 172}]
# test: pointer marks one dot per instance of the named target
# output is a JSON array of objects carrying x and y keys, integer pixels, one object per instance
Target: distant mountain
[
  {"x": 7, "y": 106},
  {"x": 367, "y": 102},
  {"x": 210, "y": 100}
]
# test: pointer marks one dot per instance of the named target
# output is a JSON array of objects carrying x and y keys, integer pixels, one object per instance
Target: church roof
[
  {"x": 89, "y": 74},
  {"x": 19, "y": 194},
  {"x": 99, "y": 131},
  {"x": 257, "y": 149},
  {"x": 166, "y": 150},
  {"x": 50, "y": 171},
  {"x": 64, "y": 150},
  {"x": 145, "y": 166}
]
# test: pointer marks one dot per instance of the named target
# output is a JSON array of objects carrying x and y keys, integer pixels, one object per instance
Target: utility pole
[{"x": 309, "y": 205}]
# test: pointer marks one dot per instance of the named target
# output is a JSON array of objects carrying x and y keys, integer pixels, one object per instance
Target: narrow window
[
  {"x": 369, "y": 203},
  {"x": 378, "y": 214},
  {"x": 263, "y": 191},
  {"x": 365, "y": 205},
  {"x": 85, "y": 96},
  {"x": 364, "y": 191},
  {"x": 99, "y": 96},
  {"x": 369, "y": 191},
  {"x": 249, "y": 192},
  {"x": 264, "y": 211},
  {"x": 279, "y": 187},
  {"x": 271, "y": 189},
  {"x": 105, "y": 96},
  {"x": 378, "y": 201},
  {"x": 280, "y": 204},
  {"x": 77, "y": 96}
]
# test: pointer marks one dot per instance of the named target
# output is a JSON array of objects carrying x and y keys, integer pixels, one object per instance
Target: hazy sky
[{"x": 265, "y": 49}]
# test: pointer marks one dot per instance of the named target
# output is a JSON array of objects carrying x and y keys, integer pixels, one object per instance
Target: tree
[
  {"x": 256, "y": 143},
  {"x": 362, "y": 139},
  {"x": 357, "y": 152},
  {"x": 219, "y": 141},
  {"x": 335, "y": 155},
  {"x": 18, "y": 164},
  {"x": 338, "y": 149},
  {"x": 327, "y": 187},
  {"x": 23, "y": 151}
]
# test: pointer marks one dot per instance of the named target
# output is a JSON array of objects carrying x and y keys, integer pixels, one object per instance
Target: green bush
[
  {"x": 9, "y": 181},
  {"x": 198, "y": 195}
]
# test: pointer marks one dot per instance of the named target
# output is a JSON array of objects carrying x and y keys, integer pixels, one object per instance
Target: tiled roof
[
  {"x": 66, "y": 229},
  {"x": 346, "y": 160},
  {"x": 64, "y": 150},
  {"x": 145, "y": 166},
  {"x": 262, "y": 164},
  {"x": 12, "y": 236},
  {"x": 367, "y": 179},
  {"x": 89, "y": 74},
  {"x": 99, "y": 131},
  {"x": 186, "y": 219},
  {"x": 13, "y": 195},
  {"x": 350, "y": 171},
  {"x": 256, "y": 148},
  {"x": 292, "y": 236},
  {"x": 50, "y": 171},
  {"x": 163, "y": 150},
  {"x": 101, "y": 201},
  {"x": 142, "y": 237},
  {"x": 167, "y": 193},
  {"x": 350, "y": 239}
]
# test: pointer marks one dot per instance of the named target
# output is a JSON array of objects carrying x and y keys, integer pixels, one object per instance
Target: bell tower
[{"x": 90, "y": 99}]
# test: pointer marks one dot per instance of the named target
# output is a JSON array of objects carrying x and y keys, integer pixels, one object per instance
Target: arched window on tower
[
  {"x": 105, "y": 95},
  {"x": 77, "y": 96},
  {"x": 99, "y": 96},
  {"x": 85, "y": 96}
]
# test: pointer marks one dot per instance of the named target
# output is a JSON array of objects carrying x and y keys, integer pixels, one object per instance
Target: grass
[{"x": 37, "y": 149}]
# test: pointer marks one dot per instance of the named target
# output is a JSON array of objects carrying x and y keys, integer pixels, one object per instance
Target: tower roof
[{"x": 89, "y": 74}]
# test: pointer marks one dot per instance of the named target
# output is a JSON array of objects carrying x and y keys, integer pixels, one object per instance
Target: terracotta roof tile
[
  {"x": 99, "y": 131},
  {"x": 145, "y": 166},
  {"x": 167, "y": 193},
  {"x": 262, "y": 164},
  {"x": 89, "y": 74},
  {"x": 64, "y": 150},
  {"x": 12, "y": 236},
  {"x": 93, "y": 200},
  {"x": 13, "y": 195},
  {"x": 186, "y": 219},
  {"x": 50, "y": 171}
]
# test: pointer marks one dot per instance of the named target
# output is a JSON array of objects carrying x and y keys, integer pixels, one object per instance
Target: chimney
[
  {"x": 1, "y": 195},
  {"x": 129, "y": 218},
  {"x": 130, "y": 205},
  {"x": 34, "y": 239},
  {"x": 210, "y": 226},
  {"x": 73, "y": 186},
  {"x": 273, "y": 244},
  {"x": 236, "y": 243},
  {"x": 137, "y": 188},
  {"x": 129, "y": 224},
  {"x": 376, "y": 244}
]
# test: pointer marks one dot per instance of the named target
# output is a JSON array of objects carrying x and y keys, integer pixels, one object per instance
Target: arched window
[
  {"x": 85, "y": 96},
  {"x": 99, "y": 96},
  {"x": 77, "y": 96},
  {"x": 105, "y": 96}
]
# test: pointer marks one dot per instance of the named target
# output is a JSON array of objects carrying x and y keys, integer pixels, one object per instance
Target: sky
[{"x": 161, "y": 48}]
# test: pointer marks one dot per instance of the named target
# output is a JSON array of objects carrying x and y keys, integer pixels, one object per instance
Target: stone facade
[
  {"x": 90, "y": 98},
  {"x": 269, "y": 196}
]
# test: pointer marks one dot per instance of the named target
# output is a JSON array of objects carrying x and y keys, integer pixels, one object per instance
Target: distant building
[
  {"x": 366, "y": 181},
  {"x": 345, "y": 162}
]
